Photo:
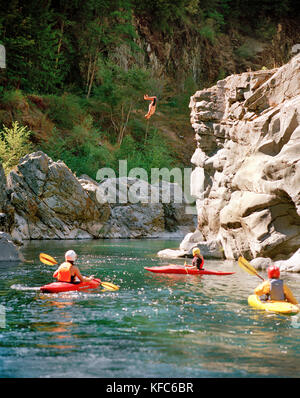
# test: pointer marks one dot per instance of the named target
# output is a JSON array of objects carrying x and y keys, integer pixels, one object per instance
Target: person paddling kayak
[
  {"x": 198, "y": 260},
  {"x": 67, "y": 271},
  {"x": 274, "y": 288}
]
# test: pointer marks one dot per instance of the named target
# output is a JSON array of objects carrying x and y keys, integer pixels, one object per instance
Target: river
[{"x": 153, "y": 326}]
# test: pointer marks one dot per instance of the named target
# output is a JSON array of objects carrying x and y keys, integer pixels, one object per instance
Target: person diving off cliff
[{"x": 152, "y": 105}]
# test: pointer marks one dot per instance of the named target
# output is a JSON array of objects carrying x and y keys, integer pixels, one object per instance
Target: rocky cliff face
[
  {"x": 185, "y": 52},
  {"x": 49, "y": 202},
  {"x": 43, "y": 199},
  {"x": 247, "y": 175},
  {"x": 8, "y": 250}
]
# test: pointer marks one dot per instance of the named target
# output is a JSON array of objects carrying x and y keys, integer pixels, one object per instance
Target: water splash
[{"x": 24, "y": 288}]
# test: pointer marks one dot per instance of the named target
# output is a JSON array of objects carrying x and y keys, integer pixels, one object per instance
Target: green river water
[{"x": 155, "y": 326}]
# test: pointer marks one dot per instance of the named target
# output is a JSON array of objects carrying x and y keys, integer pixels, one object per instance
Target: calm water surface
[{"x": 154, "y": 326}]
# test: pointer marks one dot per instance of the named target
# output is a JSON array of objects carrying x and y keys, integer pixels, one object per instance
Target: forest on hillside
[{"x": 76, "y": 72}]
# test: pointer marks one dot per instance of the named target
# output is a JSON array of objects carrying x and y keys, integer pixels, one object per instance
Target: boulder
[
  {"x": 261, "y": 263},
  {"x": 8, "y": 250},
  {"x": 47, "y": 201},
  {"x": 191, "y": 240},
  {"x": 209, "y": 250},
  {"x": 139, "y": 209},
  {"x": 50, "y": 203},
  {"x": 292, "y": 264},
  {"x": 172, "y": 253}
]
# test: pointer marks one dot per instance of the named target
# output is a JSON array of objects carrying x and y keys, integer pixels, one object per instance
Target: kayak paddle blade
[
  {"x": 109, "y": 286},
  {"x": 46, "y": 259},
  {"x": 245, "y": 265}
]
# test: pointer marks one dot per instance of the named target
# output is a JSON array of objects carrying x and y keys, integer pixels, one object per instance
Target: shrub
[
  {"x": 65, "y": 111},
  {"x": 12, "y": 97},
  {"x": 79, "y": 148},
  {"x": 14, "y": 143},
  {"x": 245, "y": 51},
  {"x": 154, "y": 153}
]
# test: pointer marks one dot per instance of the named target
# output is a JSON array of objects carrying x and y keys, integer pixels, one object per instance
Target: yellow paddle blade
[
  {"x": 46, "y": 259},
  {"x": 245, "y": 265},
  {"x": 109, "y": 286}
]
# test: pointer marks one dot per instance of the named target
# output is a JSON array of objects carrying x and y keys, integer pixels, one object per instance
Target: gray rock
[
  {"x": 47, "y": 201},
  {"x": 50, "y": 203},
  {"x": 3, "y": 196},
  {"x": 209, "y": 250},
  {"x": 139, "y": 209},
  {"x": 249, "y": 155},
  {"x": 290, "y": 265},
  {"x": 8, "y": 251},
  {"x": 172, "y": 253},
  {"x": 261, "y": 263}
]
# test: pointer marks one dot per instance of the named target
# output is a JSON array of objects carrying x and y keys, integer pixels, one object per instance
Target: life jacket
[
  {"x": 276, "y": 290},
  {"x": 198, "y": 262},
  {"x": 63, "y": 273}
]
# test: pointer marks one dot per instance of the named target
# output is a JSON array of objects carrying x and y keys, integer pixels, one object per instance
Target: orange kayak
[{"x": 58, "y": 287}]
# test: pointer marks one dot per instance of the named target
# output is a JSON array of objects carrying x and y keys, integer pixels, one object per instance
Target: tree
[
  {"x": 121, "y": 90},
  {"x": 31, "y": 43},
  {"x": 100, "y": 27},
  {"x": 14, "y": 143}
]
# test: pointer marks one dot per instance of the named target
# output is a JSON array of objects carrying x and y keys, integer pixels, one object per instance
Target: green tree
[
  {"x": 31, "y": 44},
  {"x": 121, "y": 91},
  {"x": 14, "y": 143},
  {"x": 101, "y": 26}
]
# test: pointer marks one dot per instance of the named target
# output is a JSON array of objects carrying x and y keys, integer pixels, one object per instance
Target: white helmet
[{"x": 70, "y": 255}]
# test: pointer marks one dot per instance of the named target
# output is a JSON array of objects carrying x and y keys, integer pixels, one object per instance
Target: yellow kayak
[{"x": 281, "y": 307}]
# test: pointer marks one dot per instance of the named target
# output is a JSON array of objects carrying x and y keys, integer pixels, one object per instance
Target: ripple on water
[{"x": 154, "y": 326}]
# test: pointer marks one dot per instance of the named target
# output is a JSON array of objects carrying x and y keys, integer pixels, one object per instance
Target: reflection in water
[
  {"x": 57, "y": 303},
  {"x": 61, "y": 329}
]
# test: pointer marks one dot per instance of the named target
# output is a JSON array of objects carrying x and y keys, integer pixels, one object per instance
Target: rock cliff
[
  {"x": 43, "y": 199},
  {"x": 145, "y": 212},
  {"x": 247, "y": 162},
  {"x": 49, "y": 202},
  {"x": 8, "y": 250}
]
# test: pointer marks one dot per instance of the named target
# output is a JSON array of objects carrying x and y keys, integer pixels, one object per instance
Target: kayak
[
  {"x": 182, "y": 269},
  {"x": 57, "y": 287},
  {"x": 281, "y": 307}
]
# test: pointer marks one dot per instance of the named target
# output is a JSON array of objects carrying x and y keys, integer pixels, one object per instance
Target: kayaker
[
  {"x": 67, "y": 271},
  {"x": 274, "y": 288},
  {"x": 198, "y": 260}
]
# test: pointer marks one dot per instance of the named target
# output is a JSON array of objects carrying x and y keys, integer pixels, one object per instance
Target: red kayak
[
  {"x": 57, "y": 287},
  {"x": 182, "y": 269}
]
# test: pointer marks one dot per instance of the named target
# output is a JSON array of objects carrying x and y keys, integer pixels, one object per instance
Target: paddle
[
  {"x": 48, "y": 260},
  {"x": 186, "y": 266},
  {"x": 243, "y": 263}
]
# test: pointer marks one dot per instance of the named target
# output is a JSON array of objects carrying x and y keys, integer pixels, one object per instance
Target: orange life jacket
[{"x": 63, "y": 273}]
